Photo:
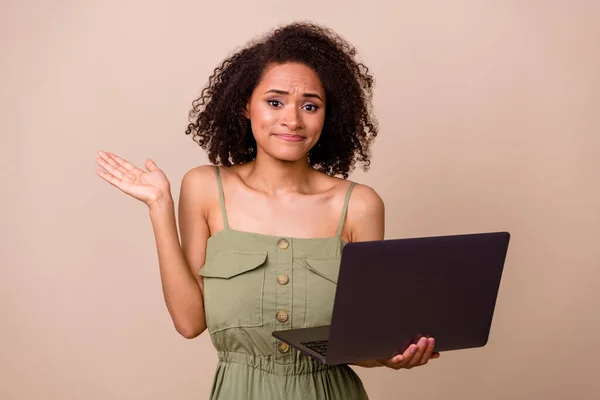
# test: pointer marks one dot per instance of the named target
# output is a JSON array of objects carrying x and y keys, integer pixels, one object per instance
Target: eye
[
  {"x": 311, "y": 107},
  {"x": 274, "y": 103}
]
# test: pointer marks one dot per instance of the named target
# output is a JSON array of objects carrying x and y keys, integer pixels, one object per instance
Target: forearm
[{"x": 181, "y": 290}]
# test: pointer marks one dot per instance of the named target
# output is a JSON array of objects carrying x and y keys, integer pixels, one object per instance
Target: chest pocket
[
  {"x": 321, "y": 284},
  {"x": 233, "y": 289}
]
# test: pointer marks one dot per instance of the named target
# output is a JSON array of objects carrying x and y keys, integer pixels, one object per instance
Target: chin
[{"x": 289, "y": 155}]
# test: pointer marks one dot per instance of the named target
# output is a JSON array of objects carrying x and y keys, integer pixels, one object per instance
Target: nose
[{"x": 291, "y": 118}]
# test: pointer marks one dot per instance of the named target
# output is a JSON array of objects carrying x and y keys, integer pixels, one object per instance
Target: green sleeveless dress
[{"x": 255, "y": 284}]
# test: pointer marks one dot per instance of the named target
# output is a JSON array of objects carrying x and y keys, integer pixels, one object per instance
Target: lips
[{"x": 289, "y": 137}]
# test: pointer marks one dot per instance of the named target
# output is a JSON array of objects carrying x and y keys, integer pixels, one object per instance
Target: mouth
[{"x": 289, "y": 137}]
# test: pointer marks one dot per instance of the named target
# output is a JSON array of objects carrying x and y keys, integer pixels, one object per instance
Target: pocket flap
[
  {"x": 327, "y": 268},
  {"x": 227, "y": 265}
]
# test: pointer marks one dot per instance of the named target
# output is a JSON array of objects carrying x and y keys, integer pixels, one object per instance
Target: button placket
[{"x": 283, "y": 305}]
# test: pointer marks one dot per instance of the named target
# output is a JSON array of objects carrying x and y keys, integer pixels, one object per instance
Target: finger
[
  {"x": 397, "y": 359},
  {"x": 109, "y": 168},
  {"x": 151, "y": 165},
  {"x": 128, "y": 166},
  {"x": 395, "y": 362},
  {"x": 428, "y": 351},
  {"x": 435, "y": 355},
  {"x": 390, "y": 363},
  {"x": 408, "y": 356},
  {"x": 106, "y": 157},
  {"x": 418, "y": 354},
  {"x": 108, "y": 178}
]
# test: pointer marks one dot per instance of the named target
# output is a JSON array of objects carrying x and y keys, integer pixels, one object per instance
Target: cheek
[
  {"x": 263, "y": 117},
  {"x": 315, "y": 123}
]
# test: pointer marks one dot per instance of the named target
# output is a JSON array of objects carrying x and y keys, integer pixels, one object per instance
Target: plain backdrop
[{"x": 489, "y": 116}]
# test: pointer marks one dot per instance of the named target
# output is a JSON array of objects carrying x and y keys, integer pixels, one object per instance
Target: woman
[{"x": 284, "y": 120}]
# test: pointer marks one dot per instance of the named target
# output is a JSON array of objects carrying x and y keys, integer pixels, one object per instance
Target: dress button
[
  {"x": 283, "y": 347},
  {"x": 283, "y": 279},
  {"x": 283, "y": 244},
  {"x": 282, "y": 316}
]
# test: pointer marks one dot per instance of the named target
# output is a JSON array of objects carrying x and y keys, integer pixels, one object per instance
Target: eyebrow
[{"x": 283, "y": 92}]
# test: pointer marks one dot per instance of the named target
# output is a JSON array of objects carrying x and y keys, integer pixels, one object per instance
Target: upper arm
[
  {"x": 195, "y": 201},
  {"x": 366, "y": 215}
]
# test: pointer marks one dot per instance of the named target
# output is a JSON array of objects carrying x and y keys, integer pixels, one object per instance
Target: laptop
[{"x": 392, "y": 292}]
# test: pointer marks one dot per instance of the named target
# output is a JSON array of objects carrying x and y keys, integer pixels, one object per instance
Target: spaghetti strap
[
  {"x": 345, "y": 209},
  {"x": 222, "y": 197}
]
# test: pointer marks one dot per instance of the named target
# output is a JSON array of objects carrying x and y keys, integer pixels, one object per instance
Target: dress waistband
[{"x": 268, "y": 364}]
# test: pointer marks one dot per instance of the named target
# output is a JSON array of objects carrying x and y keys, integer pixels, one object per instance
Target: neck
[{"x": 276, "y": 177}]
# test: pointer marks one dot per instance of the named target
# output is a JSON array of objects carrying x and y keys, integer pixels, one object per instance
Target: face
[{"x": 287, "y": 111}]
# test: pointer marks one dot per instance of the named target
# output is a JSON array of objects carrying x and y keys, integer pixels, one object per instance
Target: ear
[{"x": 245, "y": 111}]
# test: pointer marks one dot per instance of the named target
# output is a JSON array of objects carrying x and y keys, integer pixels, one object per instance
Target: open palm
[{"x": 147, "y": 186}]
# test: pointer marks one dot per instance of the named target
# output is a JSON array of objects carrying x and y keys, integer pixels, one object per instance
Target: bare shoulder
[
  {"x": 366, "y": 199},
  {"x": 199, "y": 186},
  {"x": 200, "y": 174},
  {"x": 198, "y": 178},
  {"x": 366, "y": 214}
]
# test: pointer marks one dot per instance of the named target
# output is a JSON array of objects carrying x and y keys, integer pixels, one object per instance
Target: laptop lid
[{"x": 391, "y": 292}]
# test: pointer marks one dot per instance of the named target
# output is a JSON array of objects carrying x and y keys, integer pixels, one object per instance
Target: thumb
[{"x": 151, "y": 166}]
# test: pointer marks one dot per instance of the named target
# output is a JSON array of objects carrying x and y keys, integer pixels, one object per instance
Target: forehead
[{"x": 291, "y": 76}]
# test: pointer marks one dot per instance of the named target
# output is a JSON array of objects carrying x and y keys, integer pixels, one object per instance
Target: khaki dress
[{"x": 255, "y": 284}]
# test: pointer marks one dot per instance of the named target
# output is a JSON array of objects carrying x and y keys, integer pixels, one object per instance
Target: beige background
[{"x": 489, "y": 116}]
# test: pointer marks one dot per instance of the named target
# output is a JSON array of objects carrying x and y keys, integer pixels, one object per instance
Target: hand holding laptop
[{"x": 415, "y": 355}]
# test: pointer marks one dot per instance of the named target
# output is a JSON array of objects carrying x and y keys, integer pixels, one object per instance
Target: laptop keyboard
[{"x": 320, "y": 346}]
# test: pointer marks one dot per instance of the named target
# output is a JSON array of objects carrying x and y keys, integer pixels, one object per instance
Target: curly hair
[{"x": 217, "y": 122}]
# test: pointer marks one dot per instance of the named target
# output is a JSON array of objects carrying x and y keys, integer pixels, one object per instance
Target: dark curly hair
[{"x": 218, "y": 125}]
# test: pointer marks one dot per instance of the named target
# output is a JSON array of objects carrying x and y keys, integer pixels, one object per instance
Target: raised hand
[{"x": 149, "y": 186}]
